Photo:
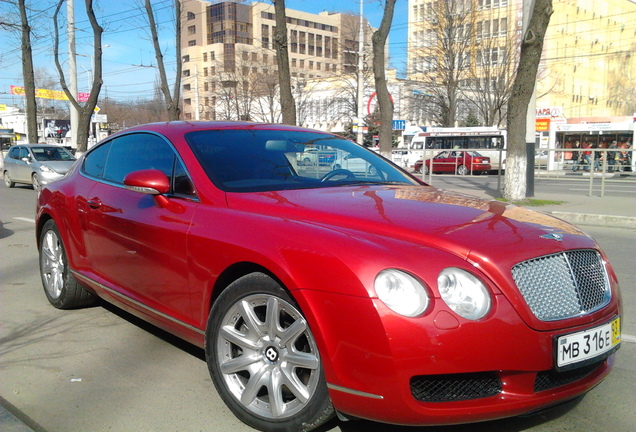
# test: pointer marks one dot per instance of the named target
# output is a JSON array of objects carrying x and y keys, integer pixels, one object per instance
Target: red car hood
[{"x": 483, "y": 231}]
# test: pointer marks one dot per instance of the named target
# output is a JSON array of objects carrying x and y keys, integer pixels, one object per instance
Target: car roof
[
  {"x": 172, "y": 128},
  {"x": 38, "y": 145}
]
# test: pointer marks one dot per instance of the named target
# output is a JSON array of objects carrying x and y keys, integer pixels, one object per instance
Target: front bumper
[{"x": 381, "y": 367}]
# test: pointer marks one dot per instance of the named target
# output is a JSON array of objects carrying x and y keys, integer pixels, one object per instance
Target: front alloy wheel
[
  {"x": 35, "y": 181},
  {"x": 60, "y": 287},
  {"x": 263, "y": 358},
  {"x": 7, "y": 180}
]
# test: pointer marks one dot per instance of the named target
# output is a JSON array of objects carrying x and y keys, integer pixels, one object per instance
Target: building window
[
  {"x": 192, "y": 43},
  {"x": 205, "y": 56},
  {"x": 191, "y": 16},
  {"x": 186, "y": 72},
  {"x": 192, "y": 30},
  {"x": 185, "y": 58}
]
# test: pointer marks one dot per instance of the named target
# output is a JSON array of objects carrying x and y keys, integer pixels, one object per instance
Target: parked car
[
  {"x": 36, "y": 164},
  {"x": 376, "y": 297},
  {"x": 354, "y": 163},
  {"x": 316, "y": 156},
  {"x": 455, "y": 161}
]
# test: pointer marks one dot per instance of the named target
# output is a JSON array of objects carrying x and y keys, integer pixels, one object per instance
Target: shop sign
[
  {"x": 549, "y": 112},
  {"x": 542, "y": 124}
]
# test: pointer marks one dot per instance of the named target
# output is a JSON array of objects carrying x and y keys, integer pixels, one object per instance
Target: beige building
[
  {"x": 588, "y": 66},
  {"x": 229, "y": 60}
]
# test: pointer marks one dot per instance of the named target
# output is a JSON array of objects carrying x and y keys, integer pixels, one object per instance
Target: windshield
[
  {"x": 51, "y": 154},
  {"x": 248, "y": 160}
]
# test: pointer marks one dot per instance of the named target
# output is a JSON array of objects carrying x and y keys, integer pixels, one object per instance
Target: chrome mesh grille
[{"x": 563, "y": 285}]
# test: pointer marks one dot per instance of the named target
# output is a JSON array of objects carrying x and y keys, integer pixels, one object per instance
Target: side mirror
[
  {"x": 151, "y": 182},
  {"x": 148, "y": 181}
]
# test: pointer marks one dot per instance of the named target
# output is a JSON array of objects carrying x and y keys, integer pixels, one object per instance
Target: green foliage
[{"x": 470, "y": 121}]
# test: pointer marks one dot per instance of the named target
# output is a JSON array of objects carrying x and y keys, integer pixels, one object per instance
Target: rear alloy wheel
[
  {"x": 263, "y": 358},
  {"x": 7, "y": 180},
  {"x": 60, "y": 287},
  {"x": 462, "y": 170}
]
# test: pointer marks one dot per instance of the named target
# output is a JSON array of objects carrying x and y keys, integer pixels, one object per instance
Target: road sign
[{"x": 399, "y": 124}]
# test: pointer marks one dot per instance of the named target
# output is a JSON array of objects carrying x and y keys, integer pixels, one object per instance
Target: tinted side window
[
  {"x": 137, "y": 152},
  {"x": 95, "y": 161}
]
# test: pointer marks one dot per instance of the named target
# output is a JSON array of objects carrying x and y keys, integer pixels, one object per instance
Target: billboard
[
  {"x": 49, "y": 94},
  {"x": 54, "y": 128}
]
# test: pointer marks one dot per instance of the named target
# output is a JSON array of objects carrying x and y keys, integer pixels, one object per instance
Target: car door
[
  {"x": 19, "y": 169},
  {"x": 136, "y": 247},
  {"x": 443, "y": 162}
]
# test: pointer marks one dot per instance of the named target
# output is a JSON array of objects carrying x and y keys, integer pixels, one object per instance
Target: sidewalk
[{"x": 580, "y": 209}]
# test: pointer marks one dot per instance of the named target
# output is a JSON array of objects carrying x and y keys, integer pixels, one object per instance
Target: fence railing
[{"x": 596, "y": 165}]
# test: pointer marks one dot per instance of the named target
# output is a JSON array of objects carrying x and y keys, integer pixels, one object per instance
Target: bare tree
[
  {"x": 385, "y": 104},
  {"x": 86, "y": 111},
  {"x": 25, "y": 30},
  {"x": 531, "y": 48},
  {"x": 288, "y": 106},
  {"x": 28, "y": 75},
  {"x": 492, "y": 74},
  {"x": 442, "y": 51},
  {"x": 172, "y": 100}
]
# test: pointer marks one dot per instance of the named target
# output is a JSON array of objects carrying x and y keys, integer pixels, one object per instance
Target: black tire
[
  {"x": 240, "y": 327},
  {"x": 60, "y": 287},
  {"x": 7, "y": 180}
]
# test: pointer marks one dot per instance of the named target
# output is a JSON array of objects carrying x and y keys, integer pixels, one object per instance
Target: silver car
[{"x": 36, "y": 164}]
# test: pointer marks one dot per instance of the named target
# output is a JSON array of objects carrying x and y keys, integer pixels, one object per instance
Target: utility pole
[
  {"x": 72, "y": 68},
  {"x": 360, "y": 96}
]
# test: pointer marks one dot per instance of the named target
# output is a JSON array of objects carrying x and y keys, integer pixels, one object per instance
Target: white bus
[{"x": 488, "y": 141}]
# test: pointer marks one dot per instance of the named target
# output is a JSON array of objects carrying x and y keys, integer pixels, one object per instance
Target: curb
[
  {"x": 596, "y": 219},
  {"x": 10, "y": 420}
]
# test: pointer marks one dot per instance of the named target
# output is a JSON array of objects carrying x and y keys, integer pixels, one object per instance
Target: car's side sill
[{"x": 126, "y": 299}]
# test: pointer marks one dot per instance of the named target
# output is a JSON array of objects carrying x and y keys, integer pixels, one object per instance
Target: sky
[{"x": 127, "y": 50}]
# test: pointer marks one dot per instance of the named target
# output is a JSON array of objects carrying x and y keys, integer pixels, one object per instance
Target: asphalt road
[{"x": 99, "y": 369}]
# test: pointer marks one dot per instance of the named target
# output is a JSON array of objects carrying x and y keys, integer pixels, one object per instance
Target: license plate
[{"x": 578, "y": 347}]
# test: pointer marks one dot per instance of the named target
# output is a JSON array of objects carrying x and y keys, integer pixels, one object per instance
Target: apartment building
[
  {"x": 588, "y": 66},
  {"x": 229, "y": 59}
]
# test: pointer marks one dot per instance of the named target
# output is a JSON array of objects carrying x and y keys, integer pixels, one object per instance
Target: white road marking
[
  {"x": 628, "y": 338},
  {"x": 25, "y": 219}
]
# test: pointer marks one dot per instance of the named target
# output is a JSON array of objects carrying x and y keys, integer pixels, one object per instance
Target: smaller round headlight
[
  {"x": 464, "y": 293},
  {"x": 401, "y": 292}
]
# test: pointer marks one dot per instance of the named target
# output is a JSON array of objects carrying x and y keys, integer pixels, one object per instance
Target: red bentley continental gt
[{"x": 317, "y": 291}]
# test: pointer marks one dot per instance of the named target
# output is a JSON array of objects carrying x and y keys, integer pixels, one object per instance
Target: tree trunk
[
  {"x": 172, "y": 100},
  {"x": 385, "y": 104},
  {"x": 28, "y": 75},
  {"x": 531, "y": 47},
  {"x": 287, "y": 103}
]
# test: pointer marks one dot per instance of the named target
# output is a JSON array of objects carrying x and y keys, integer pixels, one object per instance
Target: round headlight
[
  {"x": 464, "y": 293},
  {"x": 401, "y": 292}
]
